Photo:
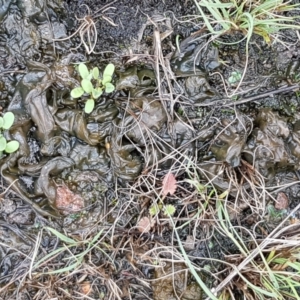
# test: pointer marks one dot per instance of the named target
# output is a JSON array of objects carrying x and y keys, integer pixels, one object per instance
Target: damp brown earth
[{"x": 182, "y": 183}]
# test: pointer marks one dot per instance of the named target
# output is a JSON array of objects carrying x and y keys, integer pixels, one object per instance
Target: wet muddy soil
[{"x": 75, "y": 193}]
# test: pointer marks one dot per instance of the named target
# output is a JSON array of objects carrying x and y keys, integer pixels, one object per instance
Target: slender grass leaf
[
  {"x": 12, "y": 146},
  {"x": 266, "y": 6},
  {"x": 271, "y": 256},
  {"x": 295, "y": 293},
  {"x": 89, "y": 106},
  {"x": 49, "y": 255},
  {"x": 210, "y": 4},
  {"x": 214, "y": 10},
  {"x": 83, "y": 71},
  {"x": 61, "y": 236},
  {"x": 77, "y": 92},
  {"x": 295, "y": 265},
  {"x": 91, "y": 245},
  {"x": 96, "y": 237},
  {"x": 223, "y": 195},
  {"x": 200, "y": 187},
  {"x": 259, "y": 290},
  {"x": 206, "y": 20},
  {"x": 224, "y": 220},
  {"x": 66, "y": 269},
  {"x": 249, "y": 20},
  {"x": 205, "y": 289},
  {"x": 267, "y": 285}
]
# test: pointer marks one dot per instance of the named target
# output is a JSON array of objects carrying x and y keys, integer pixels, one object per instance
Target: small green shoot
[
  {"x": 275, "y": 214},
  {"x": 5, "y": 123},
  {"x": 235, "y": 77},
  {"x": 169, "y": 210},
  {"x": 93, "y": 85},
  {"x": 155, "y": 209}
]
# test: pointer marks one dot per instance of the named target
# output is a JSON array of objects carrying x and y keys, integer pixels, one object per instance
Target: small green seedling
[
  {"x": 168, "y": 210},
  {"x": 235, "y": 77},
  {"x": 5, "y": 123},
  {"x": 155, "y": 209},
  {"x": 93, "y": 85}
]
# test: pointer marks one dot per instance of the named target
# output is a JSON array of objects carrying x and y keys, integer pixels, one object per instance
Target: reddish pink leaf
[
  {"x": 169, "y": 184},
  {"x": 144, "y": 224}
]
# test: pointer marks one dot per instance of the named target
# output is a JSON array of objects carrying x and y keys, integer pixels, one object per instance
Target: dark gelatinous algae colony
[{"x": 176, "y": 108}]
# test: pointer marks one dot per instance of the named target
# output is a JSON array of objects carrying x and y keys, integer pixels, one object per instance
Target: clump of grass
[
  {"x": 265, "y": 18},
  {"x": 270, "y": 270},
  {"x": 261, "y": 17},
  {"x": 74, "y": 257},
  {"x": 258, "y": 269},
  {"x": 69, "y": 243}
]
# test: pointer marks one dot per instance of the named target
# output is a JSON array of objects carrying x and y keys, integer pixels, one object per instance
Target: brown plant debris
[
  {"x": 282, "y": 201},
  {"x": 67, "y": 201}
]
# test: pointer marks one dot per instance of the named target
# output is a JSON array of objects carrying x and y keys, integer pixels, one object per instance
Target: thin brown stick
[{"x": 230, "y": 102}]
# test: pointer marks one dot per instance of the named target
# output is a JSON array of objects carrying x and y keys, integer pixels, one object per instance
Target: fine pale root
[
  {"x": 87, "y": 30},
  {"x": 235, "y": 93},
  {"x": 7, "y": 189}
]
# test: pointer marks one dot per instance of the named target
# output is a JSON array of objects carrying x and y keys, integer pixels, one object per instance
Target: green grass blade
[
  {"x": 295, "y": 293},
  {"x": 53, "y": 253},
  {"x": 96, "y": 237},
  {"x": 61, "y": 236},
  {"x": 205, "y": 289},
  {"x": 259, "y": 290},
  {"x": 205, "y": 19},
  {"x": 66, "y": 269},
  {"x": 189, "y": 264}
]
